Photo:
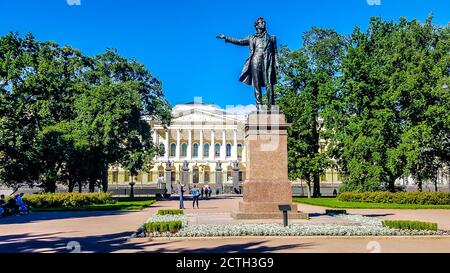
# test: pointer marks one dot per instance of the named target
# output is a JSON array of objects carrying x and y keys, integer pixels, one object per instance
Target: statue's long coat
[{"x": 269, "y": 58}]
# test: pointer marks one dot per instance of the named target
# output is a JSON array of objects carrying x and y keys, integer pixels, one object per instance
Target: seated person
[
  {"x": 11, "y": 207},
  {"x": 23, "y": 208}
]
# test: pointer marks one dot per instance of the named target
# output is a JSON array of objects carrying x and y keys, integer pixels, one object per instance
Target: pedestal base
[
  {"x": 239, "y": 215},
  {"x": 262, "y": 198}
]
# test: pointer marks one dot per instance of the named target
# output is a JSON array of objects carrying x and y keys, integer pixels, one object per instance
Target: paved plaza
[{"x": 109, "y": 231}]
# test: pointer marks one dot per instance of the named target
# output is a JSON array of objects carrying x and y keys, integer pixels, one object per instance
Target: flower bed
[{"x": 364, "y": 226}]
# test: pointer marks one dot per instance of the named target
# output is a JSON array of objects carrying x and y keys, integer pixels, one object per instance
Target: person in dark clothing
[
  {"x": 11, "y": 207},
  {"x": 2, "y": 204},
  {"x": 202, "y": 192},
  {"x": 195, "y": 195}
]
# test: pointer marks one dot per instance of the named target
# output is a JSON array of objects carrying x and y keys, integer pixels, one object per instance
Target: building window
[
  {"x": 162, "y": 149},
  {"x": 161, "y": 172},
  {"x": 217, "y": 150},
  {"x": 206, "y": 149},
  {"x": 239, "y": 150},
  {"x": 115, "y": 176},
  {"x": 195, "y": 151},
  {"x": 195, "y": 175},
  {"x": 323, "y": 178},
  {"x": 241, "y": 176},
  {"x": 206, "y": 174},
  {"x": 173, "y": 149},
  {"x": 184, "y": 149},
  {"x": 228, "y": 149},
  {"x": 127, "y": 177}
]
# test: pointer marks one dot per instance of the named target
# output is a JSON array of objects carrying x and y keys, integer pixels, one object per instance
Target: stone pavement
[{"x": 109, "y": 231}]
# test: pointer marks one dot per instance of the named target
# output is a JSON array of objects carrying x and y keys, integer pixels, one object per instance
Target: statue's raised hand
[{"x": 220, "y": 36}]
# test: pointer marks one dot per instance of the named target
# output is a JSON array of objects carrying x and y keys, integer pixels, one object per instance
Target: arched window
[
  {"x": 217, "y": 150},
  {"x": 161, "y": 172},
  {"x": 229, "y": 173},
  {"x": 195, "y": 175},
  {"x": 173, "y": 149},
  {"x": 228, "y": 149},
  {"x": 239, "y": 150},
  {"x": 184, "y": 149},
  {"x": 206, "y": 174},
  {"x": 162, "y": 149},
  {"x": 195, "y": 151},
  {"x": 206, "y": 149}
]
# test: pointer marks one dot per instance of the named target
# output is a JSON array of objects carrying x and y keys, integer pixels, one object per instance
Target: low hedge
[
  {"x": 171, "y": 226},
  {"x": 67, "y": 200},
  {"x": 405, "y": 224},
  {"x": 335, "y": 211},
  {"x": 419, "y": 198},
  {"x": 170, "y": 211}
]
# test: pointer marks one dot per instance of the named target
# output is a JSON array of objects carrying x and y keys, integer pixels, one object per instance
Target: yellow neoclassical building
[{"x": 204, "y": 137}]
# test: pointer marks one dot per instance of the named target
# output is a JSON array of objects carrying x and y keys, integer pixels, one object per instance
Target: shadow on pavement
[
  {"x": 45, "y": 216},
  {"x": 55, "y": 242}
]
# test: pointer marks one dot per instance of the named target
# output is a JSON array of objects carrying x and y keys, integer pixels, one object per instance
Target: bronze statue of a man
[{"x": 259, "y": 69}]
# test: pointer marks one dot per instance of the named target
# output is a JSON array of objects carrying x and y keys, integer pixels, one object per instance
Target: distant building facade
[{"x": 205, "y": 136}]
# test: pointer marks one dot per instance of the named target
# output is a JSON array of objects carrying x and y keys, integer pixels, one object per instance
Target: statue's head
[{"x": 260, "y": 25}]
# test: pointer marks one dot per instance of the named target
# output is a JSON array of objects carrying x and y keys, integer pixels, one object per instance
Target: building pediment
[{"x": 204, "y": 117}]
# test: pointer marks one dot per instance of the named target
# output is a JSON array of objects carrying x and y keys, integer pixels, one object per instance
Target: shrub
[
  {"x": 335, "y": 211},
  {"x": 419, "y": 198},
  {"x": 404, "y": 224},
  {"x": 66, "y": 200},
  {"x": 172, "y": 226},
  {"x": 170, "y": 211}
]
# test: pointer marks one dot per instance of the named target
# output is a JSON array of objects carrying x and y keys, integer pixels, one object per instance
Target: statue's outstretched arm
[{"x": 241, "y": 42}]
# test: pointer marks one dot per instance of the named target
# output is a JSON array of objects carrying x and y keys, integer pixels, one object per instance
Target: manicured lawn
[
  {"x": 123, "y": 203},
  {"x": 335, "y": 203}
]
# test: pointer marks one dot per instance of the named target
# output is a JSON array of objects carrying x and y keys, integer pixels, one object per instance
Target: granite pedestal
[{"x": 267, "y": 185}]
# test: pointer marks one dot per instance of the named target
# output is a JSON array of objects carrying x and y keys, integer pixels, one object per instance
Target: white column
[
  {"x": 212, "y": 146},
  {"x": 155, "y": 141},
  {"x": 244, "y": 153},
  {"x": 166, "y": 146},
  {"x": 189, "y": 148},
  {"x": 234, "y": 148},
  {"x": 155, "y": 136},
  {"x": 223, "y": 148},
  {"x": 178, "y": 149},
  {"x": 200, "y": 148}
]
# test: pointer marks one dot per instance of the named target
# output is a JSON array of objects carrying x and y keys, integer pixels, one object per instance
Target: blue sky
[{"x": 175, "y": 39}]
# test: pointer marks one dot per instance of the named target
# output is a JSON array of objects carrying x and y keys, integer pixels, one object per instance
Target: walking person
[
  {"x": 202, "y": 191},
  {"x": 209, "y": 191},
  {"x": 181, "y": 191},
  {"x": 195, "y": 196},
  {"x": 206, "y": 192}
]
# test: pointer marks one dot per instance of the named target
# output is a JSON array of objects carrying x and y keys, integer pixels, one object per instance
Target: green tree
[
  {"x": 383, "y": 126},
  {"x": 307, "y": 86},
  {"x": 65, "y": 116}
]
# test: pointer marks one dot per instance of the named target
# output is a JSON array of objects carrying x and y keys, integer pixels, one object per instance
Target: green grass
[
  {"x": 123, "y": 203},
  {"x": 334, "y": 203}
]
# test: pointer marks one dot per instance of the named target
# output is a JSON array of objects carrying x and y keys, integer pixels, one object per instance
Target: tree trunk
[
  {"x": 316, "y": 189},
  {"x": 104, "y": 177},
  {"x": 308, "y": 188},
  {"x": 92, "y": 181},
  {"x": 71, "y": 185},
  {"x": 419, "y": 186},
  {"x": 80, "y": 186}
]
